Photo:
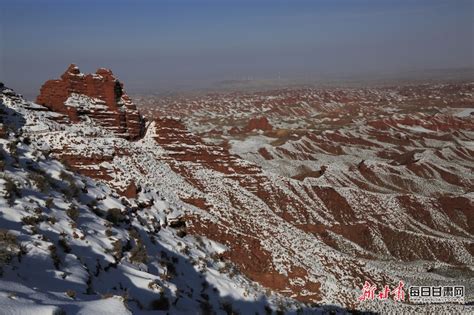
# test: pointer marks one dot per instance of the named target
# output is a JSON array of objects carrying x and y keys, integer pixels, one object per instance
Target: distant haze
[{"x": 178, "y": 44}]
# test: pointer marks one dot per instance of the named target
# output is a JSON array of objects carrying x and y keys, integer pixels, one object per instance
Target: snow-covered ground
[
  {"x": 77, "y": 246},
  {"x": 71, "y": 245}
]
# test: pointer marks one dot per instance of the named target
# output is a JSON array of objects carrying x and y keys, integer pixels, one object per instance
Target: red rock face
[
  {"x": 131, "y": 191},
  {"x": 105, "y": 100},
  {"x": 261, "y": 123}
]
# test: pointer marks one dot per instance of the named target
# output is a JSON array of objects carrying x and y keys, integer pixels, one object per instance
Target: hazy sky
[{"x": 178, "y": 43}]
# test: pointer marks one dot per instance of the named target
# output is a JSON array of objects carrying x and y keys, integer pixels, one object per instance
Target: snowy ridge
[{"x": 78, "y": 247}]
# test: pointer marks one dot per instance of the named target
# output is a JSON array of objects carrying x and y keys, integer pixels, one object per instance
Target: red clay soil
[{"x": 253, "y": 261}]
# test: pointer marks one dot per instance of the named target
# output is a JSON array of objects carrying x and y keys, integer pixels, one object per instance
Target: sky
[{"x": 179, "y": 44}]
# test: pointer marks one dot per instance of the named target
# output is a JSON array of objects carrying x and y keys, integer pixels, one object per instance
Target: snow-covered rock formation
[
  {"x": 98, "y": 96},
  {"x": 72, "y": 245}
]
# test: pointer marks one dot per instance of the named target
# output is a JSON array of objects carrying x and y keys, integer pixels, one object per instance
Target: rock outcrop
[
  {"x": 260, "y": 123},
  {"x": 99, "y": 95}
]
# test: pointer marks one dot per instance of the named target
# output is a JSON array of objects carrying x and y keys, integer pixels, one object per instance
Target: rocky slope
[
  {"x": 310, "y": 238},
  {"x": 72, "y": 245},
  {"x": 378, "y": 174}
]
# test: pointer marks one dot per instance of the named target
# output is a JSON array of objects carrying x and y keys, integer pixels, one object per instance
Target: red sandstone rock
[
  {"x": 234, "y": 131},
  {"x": 107, "y": 102},
  {"x": 261, "y": 123},
  {"x": 131, "y": 191},
  {"x": 266, "y": 155}
]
